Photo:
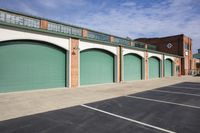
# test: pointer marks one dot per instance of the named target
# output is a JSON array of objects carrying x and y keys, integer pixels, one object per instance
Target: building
[
  {"x": 38, "y": 53},
  {"x": 178, "y": 45},
  {"x": 196, "y": 61}
]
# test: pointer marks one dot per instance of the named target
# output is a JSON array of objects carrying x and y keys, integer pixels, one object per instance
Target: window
[{"x": 186, "y": 46}]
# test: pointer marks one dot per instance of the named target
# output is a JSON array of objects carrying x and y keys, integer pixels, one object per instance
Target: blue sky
[{"x": 132, "y": 18}]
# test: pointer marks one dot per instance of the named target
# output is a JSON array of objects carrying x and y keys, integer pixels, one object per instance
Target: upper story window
[
  {"x": 98, "y": 36},
  {"x": 186, "y": 46},
  {"x": 19, "y": 20}
]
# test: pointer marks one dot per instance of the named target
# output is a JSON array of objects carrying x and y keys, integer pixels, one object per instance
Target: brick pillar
[
  {"x": 44, "y": 24},
  {"x": 146, "y": 64},
  {"x": 112, "y": 39},
  {"x": 74, "y": 63},
  {"x": 85, "y": 33},
  {"x": 119, "y": 64}
]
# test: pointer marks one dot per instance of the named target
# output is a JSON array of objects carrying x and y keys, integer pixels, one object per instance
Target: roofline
[{"x": 164, "y": 37}]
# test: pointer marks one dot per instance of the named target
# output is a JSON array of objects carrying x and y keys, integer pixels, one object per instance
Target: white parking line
[
  {"x": 161, "y": 101},
  {"x": 191, "y": 88},
  {"x": 128, "y": 119},
  {"x": 172, "y": 92}
]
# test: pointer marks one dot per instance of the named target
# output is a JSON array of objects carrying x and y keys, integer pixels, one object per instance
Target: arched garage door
[
  {"x": 27, "y": 65},
  {"x": 96, "y": 66},
  {"x": 132, "y": 67},
  {"x": 154, "y": 67},
  {"x": 168, "y": 68}
]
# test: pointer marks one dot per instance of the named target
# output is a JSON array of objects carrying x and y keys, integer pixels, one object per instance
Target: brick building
[{"x": 178, "y": 44}]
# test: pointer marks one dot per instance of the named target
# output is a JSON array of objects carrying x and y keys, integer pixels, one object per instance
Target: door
[
  {"x": 168, "y": 68},
  {"x": 154, "y": 68},
  {"x": 96, "y": 67},
  {"x": 29, "y": 65},
  {"x": 132, "y": 67}
]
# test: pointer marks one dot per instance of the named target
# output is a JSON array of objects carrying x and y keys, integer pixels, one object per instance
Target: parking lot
[{"x": 169, "y": 109}]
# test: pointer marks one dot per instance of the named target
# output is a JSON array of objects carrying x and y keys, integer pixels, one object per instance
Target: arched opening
[
  {"x": 29, "y": 65},
  {"x": 96, "y": 67},
  {"x": 154, "y": 67},
  {"x": 133, "y": 65},
  {"x": 168, "y": 68}
]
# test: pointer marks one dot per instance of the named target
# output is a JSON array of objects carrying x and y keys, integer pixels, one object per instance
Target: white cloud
[{"x": 173, "y": 17}]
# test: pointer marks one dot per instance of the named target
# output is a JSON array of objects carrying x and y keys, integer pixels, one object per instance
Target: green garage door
[
  {"x": 168, "y": 68},
  {"x": 27, "y": 65},
  {"x": 154, "y": 67},
  {"x": 132, "y": 67},
  {"x": 96, "y": 66}
]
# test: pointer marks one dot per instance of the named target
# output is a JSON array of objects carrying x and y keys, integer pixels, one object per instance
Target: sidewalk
[{"x": 18, "y": 104}]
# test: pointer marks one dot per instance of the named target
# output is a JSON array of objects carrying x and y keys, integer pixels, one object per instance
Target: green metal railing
[
  {"x": 138, "y": 44},
  {"x": 151, "y": 47},
  {"x": 64, "y": 29},
  {"x": 98, "y": 36},
  {"x": 122, "y": 41},
  {"x": 12, "y": 18},
  {"x": 27, "y": 21}
]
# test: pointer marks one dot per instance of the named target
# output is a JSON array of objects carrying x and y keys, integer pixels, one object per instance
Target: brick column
[
  {"x": 112, "y": 39},
  {"x": 44, "y": 24},
  {"x": 74, "y": 63},
  {"x": 85, "y": 33},
  {"x": 146, "y": 64},
  {"x": 119, "y": 64}
]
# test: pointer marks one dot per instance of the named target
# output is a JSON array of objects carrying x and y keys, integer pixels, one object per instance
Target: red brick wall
[
  {"x": 177, "y": 48},
  {"x": 161, "y": 43},
  {"x": 44, "y": 24}
]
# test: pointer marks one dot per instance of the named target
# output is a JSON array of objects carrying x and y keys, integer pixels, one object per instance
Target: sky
[{"x": 125, "y": 18}]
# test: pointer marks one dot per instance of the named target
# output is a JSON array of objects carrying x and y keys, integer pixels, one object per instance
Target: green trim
[
  {"x": 143, "y": 69},
  {"x": 74, "y": 36}
]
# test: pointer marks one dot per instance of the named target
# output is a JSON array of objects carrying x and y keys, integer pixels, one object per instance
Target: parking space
[{"x": 162, "y": 110}]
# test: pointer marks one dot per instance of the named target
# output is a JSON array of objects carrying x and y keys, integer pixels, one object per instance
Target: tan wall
[{"x": 74, "y": 63}]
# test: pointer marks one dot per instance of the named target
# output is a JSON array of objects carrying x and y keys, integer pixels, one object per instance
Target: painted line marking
[
  {"x": 128, "y": 119},
  {"x": 175, "y": 92},
  {"x": 192, "y": 88},
  {"x": 161, "y": 101}
]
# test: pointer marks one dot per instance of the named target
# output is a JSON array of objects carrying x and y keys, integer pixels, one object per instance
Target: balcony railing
[
  {"x": 19, "y": 20},
  {"x": 98, "y": 36},
  {"x": 122, "y": 41},
  {"x": 28, "y": 21},
  {"x": 151, "y": 47}
]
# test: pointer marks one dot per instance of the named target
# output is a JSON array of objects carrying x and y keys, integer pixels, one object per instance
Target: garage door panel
[
  {"x": 96, "y": 66},
  {"x": 29, "y": 65},
  {"x": 132, "y": 67},
  {"x": 168, "y": 68},
  {"x": 154, "y": 68}
]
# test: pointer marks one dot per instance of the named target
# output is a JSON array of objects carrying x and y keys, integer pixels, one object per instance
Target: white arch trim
[
  {"x": 128, "y": 51},
  {"x": 9, "y": 35},
  {"x": 160, "y": 56},
  {"x": 169, "y": 57},
  {"x": 88, "y": 45}
]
